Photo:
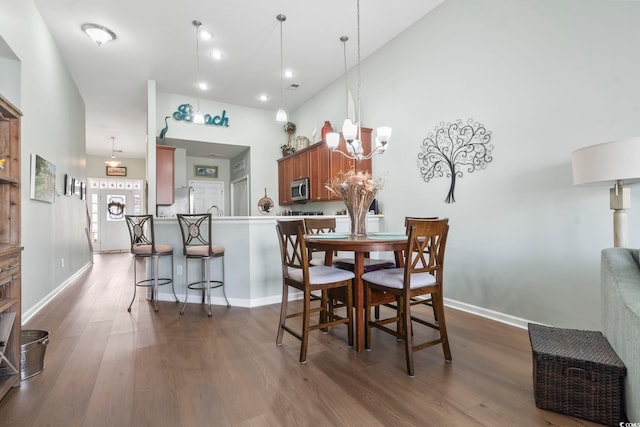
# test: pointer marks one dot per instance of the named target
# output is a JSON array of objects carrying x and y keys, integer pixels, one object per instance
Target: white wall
[
  {"x": 53, "y": 127},
  {"x": 251, "y": 127},
  {"x": 546, "y": 77}
]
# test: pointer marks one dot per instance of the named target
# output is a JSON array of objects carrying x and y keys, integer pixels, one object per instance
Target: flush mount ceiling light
[
  {"x": 281, "y": 115},
  {"x": 113, "y": 162},
  {"x": 99, "y": 34}
]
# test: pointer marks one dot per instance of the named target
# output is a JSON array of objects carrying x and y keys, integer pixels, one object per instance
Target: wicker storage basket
[{"x": 577, "y": 373}]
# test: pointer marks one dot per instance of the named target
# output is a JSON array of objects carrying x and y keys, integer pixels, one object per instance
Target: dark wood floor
[{"x": 107, "y": 367}]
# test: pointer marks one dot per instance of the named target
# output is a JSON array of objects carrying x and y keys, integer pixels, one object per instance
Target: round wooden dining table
[{"x": 359, "y": 245}]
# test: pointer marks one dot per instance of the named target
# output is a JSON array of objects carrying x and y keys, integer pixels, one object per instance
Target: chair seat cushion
[
  {"x": 321, "y": 274},
  {"x": 394, "y": 278},
  {"x": 146, "y": 249},
  {"x": 203, "y": 250}
]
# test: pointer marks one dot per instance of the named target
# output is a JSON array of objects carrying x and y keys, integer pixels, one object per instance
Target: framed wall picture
[
  {"x": 43, "y": 179},
  {"x": 205, "y": 171},
  {"x": 67, "y": 184},
  {"x": 116, "y": 171}
]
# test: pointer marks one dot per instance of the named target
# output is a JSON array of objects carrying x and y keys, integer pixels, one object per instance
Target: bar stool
[
  {"x": 197, "y": 244},
  {"x": 143, "y": 245}
]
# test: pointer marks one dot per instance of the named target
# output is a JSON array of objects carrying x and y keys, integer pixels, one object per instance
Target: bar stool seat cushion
[
  {"x": 321, "y": 274},
  {"x": 203, "y": 250},
  {"x": 394, "y": 278},
  {"x": 146, "y": 249}
]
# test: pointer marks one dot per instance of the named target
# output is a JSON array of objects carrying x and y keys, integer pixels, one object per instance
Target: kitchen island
[{"x": 253, "y": 269}]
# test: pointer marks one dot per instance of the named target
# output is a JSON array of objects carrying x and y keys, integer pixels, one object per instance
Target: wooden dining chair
[
  {"x": 421, "y": 276},
  {"x": 298, "y": 274}
]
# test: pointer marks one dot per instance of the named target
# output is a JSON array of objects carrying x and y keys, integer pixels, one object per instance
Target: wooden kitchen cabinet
[
  {"x": 10, "y": 249},
  {"x": 165, "y": 175},
  {"x": 285, "y": 176},
  {"x": 319, "y": 172},
  {"x": 320, "y": 165}
]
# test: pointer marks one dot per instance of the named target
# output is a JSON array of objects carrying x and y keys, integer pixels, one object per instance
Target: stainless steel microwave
[{"x": 300, "y": 190}]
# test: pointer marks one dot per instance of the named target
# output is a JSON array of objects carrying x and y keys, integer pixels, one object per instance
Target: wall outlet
[
  {"x": 62, "y": 262},
  {"x": 179, "y": 270}
]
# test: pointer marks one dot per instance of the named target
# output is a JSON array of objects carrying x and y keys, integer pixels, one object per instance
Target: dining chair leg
[
  {"x": 438, "y": 305},
  {"x": 407, "y": 332},
  {"x": 306, "y": 321},
  {"x": 350, "y": 316},
  {"x": 283, "y": 313}
]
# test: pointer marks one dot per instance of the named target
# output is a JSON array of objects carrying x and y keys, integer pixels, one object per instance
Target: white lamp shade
[
  {"x": 607, "y": 162},
  {"x": 198, "y": 118},
  {"x": 333, "y": 139},
  {"x": 349, "y": 130},
  {"x": 281, "y": 115},
  {"x": 384, "y": 134}
]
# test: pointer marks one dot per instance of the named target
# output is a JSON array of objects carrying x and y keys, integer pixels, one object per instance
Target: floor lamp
[{"x": 614, "y": 162}]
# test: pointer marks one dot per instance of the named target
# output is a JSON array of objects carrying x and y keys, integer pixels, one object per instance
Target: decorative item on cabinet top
[
  {"x": 301, "y": 142},
  {"x": 290, "y": 130}
]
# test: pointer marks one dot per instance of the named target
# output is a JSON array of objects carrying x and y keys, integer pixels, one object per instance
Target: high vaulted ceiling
[{"x": 157, "y": 41}]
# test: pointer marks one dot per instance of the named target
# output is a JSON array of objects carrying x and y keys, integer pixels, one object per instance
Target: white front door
[{"x": 108, "y": 205}]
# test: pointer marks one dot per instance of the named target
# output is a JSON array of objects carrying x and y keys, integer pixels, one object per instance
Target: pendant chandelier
[
  {"x": 281, "y": 115},
  {"x": 351, "y": 131},
  {"x": 113, "y": 162},
  {"x": 198, "y": 117}
]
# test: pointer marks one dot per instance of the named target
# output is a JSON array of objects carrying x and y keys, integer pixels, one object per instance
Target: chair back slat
[
  {"x": 195, "y": 230},
  {"x": 292, "y": 246},
  {"x": 141, "y": 231},
  {"x": 426, "y": 244},
  {"x": 320, "y": 225}
]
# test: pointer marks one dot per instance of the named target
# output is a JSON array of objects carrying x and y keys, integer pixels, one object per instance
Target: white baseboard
[
  {"x": 508, "y": 319},
  {"x": 27, "y": 315}
]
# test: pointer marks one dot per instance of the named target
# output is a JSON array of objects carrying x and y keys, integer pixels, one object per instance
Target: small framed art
[
  {"x": 205, "y": 171},
  {"x": 116, "y": 171}
]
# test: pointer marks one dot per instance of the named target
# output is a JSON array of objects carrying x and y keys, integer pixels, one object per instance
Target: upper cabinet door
[{"x": 165, "y": 175}]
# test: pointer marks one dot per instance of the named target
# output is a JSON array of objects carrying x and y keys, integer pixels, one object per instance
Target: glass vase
[{"x": 358, "y": 217}]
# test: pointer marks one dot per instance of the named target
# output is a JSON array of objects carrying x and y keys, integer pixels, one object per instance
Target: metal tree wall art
[{"x": 450, "y": 148}]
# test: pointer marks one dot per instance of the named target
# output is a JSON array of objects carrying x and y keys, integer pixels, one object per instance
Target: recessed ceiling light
[
  {"x": 216, "y": 54},
  {"x": 288, "y": 74},
  {"x": 203, "y": 86},
  {"x": 205, "y": 35},
  {"x": 99, "y": 34},
  {"x": 263, "y": 98}
]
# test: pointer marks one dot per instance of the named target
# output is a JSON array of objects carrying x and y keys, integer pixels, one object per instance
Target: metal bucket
[{"x": 33, "y": 345}]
